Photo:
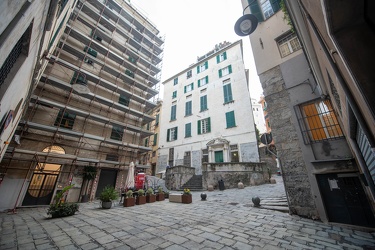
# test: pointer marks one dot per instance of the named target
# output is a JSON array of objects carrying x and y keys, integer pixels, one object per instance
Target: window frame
[
  {"x": 117, "y": 132},
  {"x": 318, "y": 121},
  {"x": 64, "y": 119},
  {"x": 204, "y": 126},
  {"x": 203, "y": 81},
  {"x": 286, "y": 39},
  {"x": 172, "y": 132},
  {"x": 223, "y": 71},
  {"x": 188, "y": 88}
]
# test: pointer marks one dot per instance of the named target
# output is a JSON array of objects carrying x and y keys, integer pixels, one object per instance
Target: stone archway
[{"x": 218, "y": 150}]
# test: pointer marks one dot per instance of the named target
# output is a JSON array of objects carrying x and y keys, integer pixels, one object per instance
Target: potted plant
[
  {"x": 129, "y": 200},
  {"x": 160, "y": 194},
  {"x": 108, "y": 194},
  {"x": 141, "y": 198},
  {"x": 186, "y": 196},
  {"x": 89, "y": 173},
  {"x": 61, "y": 209},
  {"x": 150, "y": 196}
]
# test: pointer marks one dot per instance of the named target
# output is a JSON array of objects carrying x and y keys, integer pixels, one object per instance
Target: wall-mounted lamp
[{"x": 246, "y": 24}]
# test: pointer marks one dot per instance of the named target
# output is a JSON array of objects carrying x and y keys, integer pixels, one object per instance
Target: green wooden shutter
[
  {"x": 225, "y": 89},
  {"x": 148, "y": 126},
  {"x": 192, "y": 86},
  {"x": 220, "y": 73},
  {"x": 198, "y": 69},
  {"x": 175, "y": 134},
  {"x": 199, "y": 127},
  {"x": 168, "y": 132},
  {"x": 209, "y": 124},
  {"x": 199, "y": 83},
  {"x": 217, "y": 58},
  {"x": 230, "y": 69},
  {"x": 184, "y": 89},
  {"x": 173, "y": 113},
  {"x": 231, "y": 122},
  {"x": 206, "y": 64},
  {"x": 155, "y": 139},
  {"x": 206, "y": 79},
  {"x": 256, "y": 11},
  {"x": 146, "y": 142},
  {"x": 225, "y": 55},
  {"x": 157, "y": 119},
  {"x": 188, "y": 130}
]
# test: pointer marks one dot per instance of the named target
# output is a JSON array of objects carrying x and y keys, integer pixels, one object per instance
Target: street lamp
[{"x": 246, "y": 24}]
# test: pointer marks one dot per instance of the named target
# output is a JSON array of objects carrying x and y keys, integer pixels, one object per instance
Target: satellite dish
[
  {"x": 81, "y": 88},
  {"x": 266, "y": 138},
  {"x": 246, "y": 25}
]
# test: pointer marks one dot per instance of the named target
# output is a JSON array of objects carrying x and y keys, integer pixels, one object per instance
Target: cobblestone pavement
[{"x": 227, "y": 220}]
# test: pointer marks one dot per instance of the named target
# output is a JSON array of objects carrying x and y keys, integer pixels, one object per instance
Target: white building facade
[
  {"x": 207, "y": 112},
  {"x": 258, "y": 116}
]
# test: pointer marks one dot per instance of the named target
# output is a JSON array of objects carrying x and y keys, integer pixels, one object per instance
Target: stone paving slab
[{"x": 227, "y": 220}]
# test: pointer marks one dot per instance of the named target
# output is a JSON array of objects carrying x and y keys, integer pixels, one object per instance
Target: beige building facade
[{"x": 89, "y": 107}]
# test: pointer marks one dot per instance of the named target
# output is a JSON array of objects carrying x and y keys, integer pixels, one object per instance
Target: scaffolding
[{"x": 117, "y": 54}]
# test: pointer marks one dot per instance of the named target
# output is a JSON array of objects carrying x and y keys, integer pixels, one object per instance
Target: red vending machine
[{"x": 140, "y": 180}]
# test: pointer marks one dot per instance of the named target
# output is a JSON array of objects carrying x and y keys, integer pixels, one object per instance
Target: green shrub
[{"x": 108, "y": 194}]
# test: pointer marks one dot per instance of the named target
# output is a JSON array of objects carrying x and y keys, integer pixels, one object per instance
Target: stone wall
[
  {"x": 177, "y": 176},
  {"x": 249, "y": 174},
  {"x": 294, "y": 172}
]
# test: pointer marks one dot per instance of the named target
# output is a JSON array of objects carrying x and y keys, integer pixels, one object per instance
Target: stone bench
[{"x": 175, "y": 198}]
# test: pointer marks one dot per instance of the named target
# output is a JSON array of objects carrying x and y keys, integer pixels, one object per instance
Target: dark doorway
[
  {"x": 107, "y": 178},
  {"x": 345, "y": 200},
  {"x": 40, "y": 189}
]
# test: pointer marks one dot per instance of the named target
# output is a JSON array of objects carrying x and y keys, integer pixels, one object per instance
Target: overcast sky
[{"x": 192, "y": 28}]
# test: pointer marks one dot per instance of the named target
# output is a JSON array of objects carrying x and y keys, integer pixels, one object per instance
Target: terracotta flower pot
[
  {"x": 140, "y": 200},
  {"x": 187, "y": 198},
  {"x": 160, "y": 197},
  {"x": 129, "y": 202},
  {"x": 150, "y": 198}
]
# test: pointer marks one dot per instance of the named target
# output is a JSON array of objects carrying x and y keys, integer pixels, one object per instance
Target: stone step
[{"x": 277, "y": 208}]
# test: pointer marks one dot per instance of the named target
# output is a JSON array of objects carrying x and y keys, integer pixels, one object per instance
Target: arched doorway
[{"x": 43, "y": 181}]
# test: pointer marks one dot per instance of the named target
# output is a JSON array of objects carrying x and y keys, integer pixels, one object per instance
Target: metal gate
[
  {"x": 345, "y": 200},
  {"x": 40, "y": 189}
]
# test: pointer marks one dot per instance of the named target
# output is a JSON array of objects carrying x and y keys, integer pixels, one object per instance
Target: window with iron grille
[
  {"x": 21, "y": 47},
  {"x": 204, "y": 155},
  {"x": 234, "y": 153},
  {"x": 318, "y": 121}
]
